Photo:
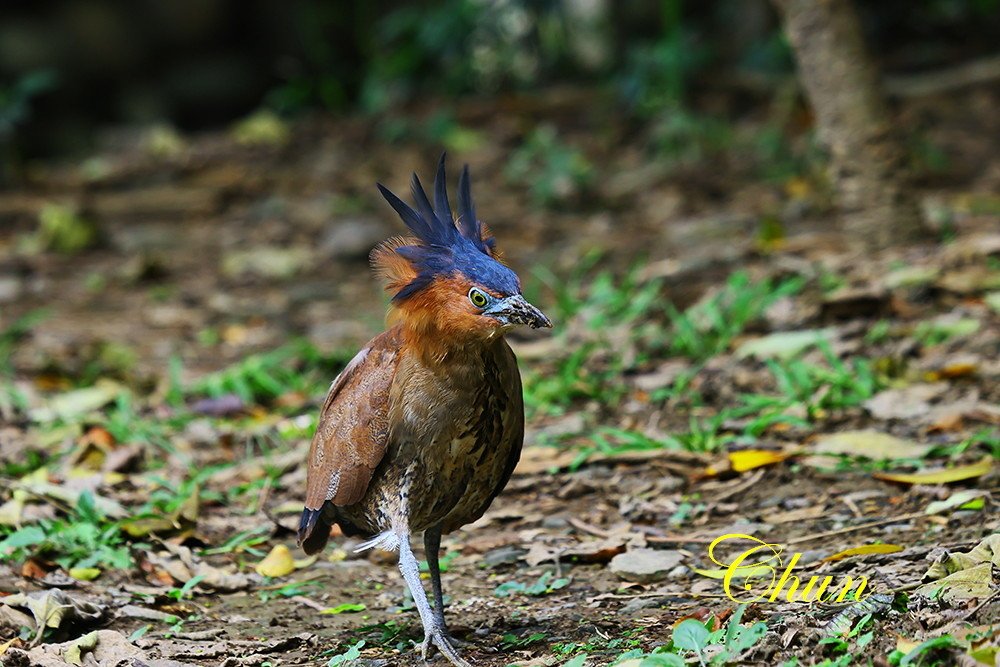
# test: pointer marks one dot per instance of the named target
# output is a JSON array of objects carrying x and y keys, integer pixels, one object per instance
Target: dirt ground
[{"x": 210, "y": 250}]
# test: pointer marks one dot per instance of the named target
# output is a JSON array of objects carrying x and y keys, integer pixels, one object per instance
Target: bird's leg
[
  {"x": 432, "y": 545},
  {"x": 434, "y": 631}
]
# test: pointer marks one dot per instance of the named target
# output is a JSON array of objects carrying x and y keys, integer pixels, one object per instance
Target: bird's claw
[{"x": 437, "y": 637}]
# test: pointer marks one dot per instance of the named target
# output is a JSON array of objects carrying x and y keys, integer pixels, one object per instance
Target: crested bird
[{"x": 423, "y": 428}]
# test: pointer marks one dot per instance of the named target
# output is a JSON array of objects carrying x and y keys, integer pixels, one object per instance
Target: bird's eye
[{"x": 477, "y": 298}]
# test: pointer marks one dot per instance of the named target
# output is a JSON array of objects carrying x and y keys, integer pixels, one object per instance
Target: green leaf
[
  {"x": 87, "y": 508},
  {"x": 944, "y": 641},
  {"x": 186, "y": 589},
  {"x": 963, "y": 499},
  {"x": 25, "y": 537},
  {"x": 662, "y": 660},
  {"x": 691, "y": 635},
  {"x": 352, "y": 653},
  {"x": 346, "y": 608},
  {"x": 509, "y": 588},
  {"x": 734, "y": 627}
]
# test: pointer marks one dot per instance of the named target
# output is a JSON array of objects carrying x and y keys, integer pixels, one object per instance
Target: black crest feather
[{"x": 447, "y": 245}]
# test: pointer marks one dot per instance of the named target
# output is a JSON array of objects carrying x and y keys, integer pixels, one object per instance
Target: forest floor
[{"x": 723, "y": 362}]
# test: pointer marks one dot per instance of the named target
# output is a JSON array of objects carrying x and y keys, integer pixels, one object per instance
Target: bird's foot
[
  {"x": 455, "y": 641},
  {"x": 452, "y": 639},
  {"x": 439, "y": 637}
]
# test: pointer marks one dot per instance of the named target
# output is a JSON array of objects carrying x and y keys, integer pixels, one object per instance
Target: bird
[{"x": 423, "y": 428}]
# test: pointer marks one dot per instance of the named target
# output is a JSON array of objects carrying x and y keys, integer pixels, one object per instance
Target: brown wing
[{"x": 353, "y": 427}]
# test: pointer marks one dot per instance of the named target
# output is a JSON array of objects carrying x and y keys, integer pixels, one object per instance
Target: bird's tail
[{"x": 314, "y": 530}]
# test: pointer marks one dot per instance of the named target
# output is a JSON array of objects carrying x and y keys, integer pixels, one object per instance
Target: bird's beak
[{"x": 516, "y": 310}]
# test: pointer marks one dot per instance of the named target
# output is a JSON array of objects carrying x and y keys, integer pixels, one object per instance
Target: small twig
[
  {"x": 591, "y": 529},
  {"x": 853, "y": 506},
  {"x": 678, "y": 539},
  {"x": 265, "y": 493},
  {"x": 65, "y": 507},
  {"x": 312, "y": 604},
  {"x": 975, "y": 610},
  {"x": 905, "y": 587},
  {"x": 200, "y": 635},
  {"x": 741, "y": 487},
  {"x": 280, "y": 527},
  {"x": 982, "y": 70},
  {"x": 851, "y": 529},
  {"x": 622, "y": 596},
  {"x": 274, "y": 587}
]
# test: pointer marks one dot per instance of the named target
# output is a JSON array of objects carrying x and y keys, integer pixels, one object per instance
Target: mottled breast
[{"x": 455, "y": 435}]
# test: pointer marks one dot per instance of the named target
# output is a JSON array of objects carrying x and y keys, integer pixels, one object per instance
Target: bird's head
[{"x": 448, "y": 277}]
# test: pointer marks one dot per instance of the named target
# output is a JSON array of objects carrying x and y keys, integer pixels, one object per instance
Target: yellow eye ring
[{"x": 477, "y": 298}]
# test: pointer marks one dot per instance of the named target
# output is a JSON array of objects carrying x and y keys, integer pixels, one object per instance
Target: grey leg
[
  {"x": 432, "y": 545},
  {"x": 434, "y": 631}
]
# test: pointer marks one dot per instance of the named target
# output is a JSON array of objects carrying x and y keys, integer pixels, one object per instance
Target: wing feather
[{"x": 353, "y": 429}]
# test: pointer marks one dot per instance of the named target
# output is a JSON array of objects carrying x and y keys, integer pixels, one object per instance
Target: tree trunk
[{"x": 868, "y": 162}]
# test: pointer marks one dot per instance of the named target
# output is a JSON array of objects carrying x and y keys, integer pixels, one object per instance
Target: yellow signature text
[{"x": 756, "y": 574}]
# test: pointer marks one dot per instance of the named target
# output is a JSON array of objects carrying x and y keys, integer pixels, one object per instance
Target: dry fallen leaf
[
  {"x": 78, "y": 402},
  {"x": 973, "y": 582},
  {"x": 10, "y": 511},
  {"x": 952, "y": 416},
  {"x": 537, "y": 459},
  {"x": 705, "y": 615},
  {"x": 784, "y": 344},
  {"x": 540, "y": 552},
  {"x": 970, "y": 279},
  {"x": 799, "y": 514},
  {"x": 53, "y": 606},
  {"x": 904, "y": 645},
  {"x": 953, "y": 368},
  {"x": 870, "y": 444},
  {"x": 91, "y": 449},
  {"x": 741, "y": 572},
  {"x": 84, "y": 573},
  {"x": 278, "y": 563},
  {"x": 905, "y": 403},
  {"x": 35, "y": 486},
  {"x": 182, "y": 565},
  {"x": 74, "y": 652},
  {"x": 864, "y": 550},
  {"x": 33, "y": 569},
  {"x": 987, "y": 551},
  {"x": 945, "y": 476},
  {"x": 305, "y": 562},
  {"x": 101, "y": 647},
  {"x": 748, "y": 459}
]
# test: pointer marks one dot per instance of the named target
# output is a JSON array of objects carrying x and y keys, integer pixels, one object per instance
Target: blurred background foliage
[{"x": 68, "y": 67}]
